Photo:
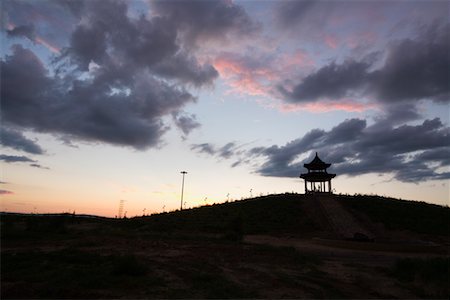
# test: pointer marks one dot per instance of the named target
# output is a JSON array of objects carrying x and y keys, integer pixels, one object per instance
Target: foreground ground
[{"x": 74, "y": 257}]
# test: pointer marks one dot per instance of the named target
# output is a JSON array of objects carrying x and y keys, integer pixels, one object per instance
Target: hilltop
[{"x": 276, "y": 246}]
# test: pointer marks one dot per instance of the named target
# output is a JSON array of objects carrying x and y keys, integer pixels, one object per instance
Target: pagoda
[{"x": 317, "y": 176}]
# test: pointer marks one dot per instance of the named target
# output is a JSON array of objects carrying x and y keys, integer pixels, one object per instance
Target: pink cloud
[
  {"x": 331, "y": 41},
  {"x": 248, "y": 76},
  {"x": 347, "y": 105},
  {"x": 243, "y": 78},
  {"x": 298, "y": 59}
]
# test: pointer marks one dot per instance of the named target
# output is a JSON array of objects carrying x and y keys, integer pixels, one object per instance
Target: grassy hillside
[
  {"x": 269, "y": 214},
  {"x": 199, "y": 253},
  {"x": 285, "y": 213},
  {"x": 273, "y": 214},
  {"x": 397, "y": 214}
]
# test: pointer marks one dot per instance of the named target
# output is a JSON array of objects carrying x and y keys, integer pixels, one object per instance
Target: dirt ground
[{"x": 92, "y": 264}]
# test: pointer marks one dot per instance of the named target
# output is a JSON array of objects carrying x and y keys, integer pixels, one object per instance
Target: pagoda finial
[{"x": 317, "y": 154}]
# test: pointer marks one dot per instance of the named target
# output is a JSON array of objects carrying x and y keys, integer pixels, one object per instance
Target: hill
[{"x": 277, "y": 246}]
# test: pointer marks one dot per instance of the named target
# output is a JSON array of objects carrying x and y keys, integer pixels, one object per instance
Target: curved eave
[{"x": 317, "y": 177}]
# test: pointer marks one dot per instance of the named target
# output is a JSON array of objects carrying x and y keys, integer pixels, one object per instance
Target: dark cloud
[
  {"x": 281, "y": 158},
  {"x": 89, "y": 112},
  {"x": 142, "y": 43},
  {"x": 16, "y": 140},
  {"x": 5, "y": 192},
  {"x": 225, "y": 152},
  {"x": 14, "y": 158},
  {"x": 292, "y": 13},
  {"x": 415, "y": 69},
  {"x": 347, "y": 131},
  {"x": 331, "y": 81},
  {"x": 115, "y": 83},
  {"x": 411, "y": 153},
  {"x": 39, "y": 166},
  {"x": 206, "y": 20},
  {"x": 27, "y": 31},
  {"x": 405, "y": 151},
  {"x": 39, "y": 21},
  {"x": 439, "y": 156},
  {"x": 186, "y": 69},
  {"x": 399, "y": 113},
  {"x": 21, "y": 159},
  {"x": 204, "y": 148},
  {"x": 186, "y": 123}
]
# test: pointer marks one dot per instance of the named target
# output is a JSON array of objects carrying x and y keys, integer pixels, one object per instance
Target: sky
[{"x": 105, "y": 100}]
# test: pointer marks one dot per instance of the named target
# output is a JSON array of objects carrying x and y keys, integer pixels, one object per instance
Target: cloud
[
  {"x": 186, "y": 69},
  {"x": 247, "y": 73},
  {"x": 227, "y": 151},
  {"x": 204, "y": 148},
  {"x": 39, "y": 166},
  {"x": 5, "y": 192},
  {"x": 410, "y": 153},
  {"x": 415, "y": 69},
  {"x": 330, "y": 81},
  {"x": 292, "y": 13},
  {"x": 14, "y": 158},
  {"x": 202, "y": 21},
  {"x": 355, "y": 148},
  {"x": 398, "y": 113},
  {"x": 114, "y": 83},
  {"x": 16, "y": 140},
  {"x": 89, "y": 111},
  {"x": 27, "y": 31},
  {"x": 186, "y": 123}
]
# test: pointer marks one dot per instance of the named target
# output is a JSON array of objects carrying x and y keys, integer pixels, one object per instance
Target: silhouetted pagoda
[{"x": 317, "y": 176}]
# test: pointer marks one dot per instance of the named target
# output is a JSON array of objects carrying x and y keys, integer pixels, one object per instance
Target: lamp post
[{"x": 182, "y": 189}]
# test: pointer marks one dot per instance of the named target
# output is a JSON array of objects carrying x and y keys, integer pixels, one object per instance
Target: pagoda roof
[
  {"x": 317, "y": 176},
  {"x": 317, "y": 164}
]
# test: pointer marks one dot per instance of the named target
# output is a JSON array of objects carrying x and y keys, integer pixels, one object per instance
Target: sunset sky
[{"x": 103, "y": 101}]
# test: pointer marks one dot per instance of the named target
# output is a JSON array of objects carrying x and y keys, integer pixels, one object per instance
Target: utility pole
[{"x": 182, "y": 189}]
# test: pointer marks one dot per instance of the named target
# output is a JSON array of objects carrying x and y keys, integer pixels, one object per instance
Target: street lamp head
[{"x": 183, "y": 172}]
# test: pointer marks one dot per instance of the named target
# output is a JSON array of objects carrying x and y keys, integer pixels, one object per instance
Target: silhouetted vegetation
[
  {"x": 205, "y": 253},
  {"x": 429, "y": 277},
  {"x": 397, "y": 214},
  {"x": 268, "y": 214}
]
